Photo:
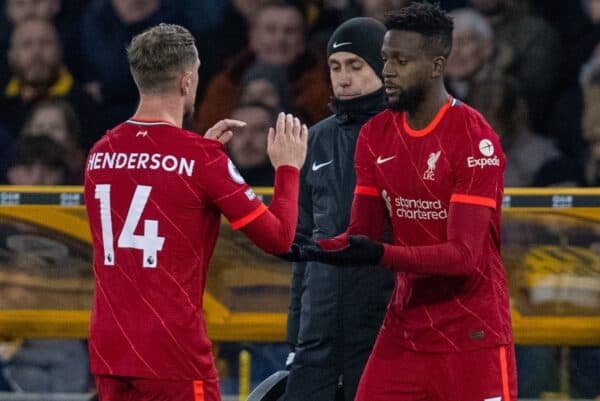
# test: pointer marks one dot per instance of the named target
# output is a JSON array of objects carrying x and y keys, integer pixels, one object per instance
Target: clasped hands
[{"x": 358, "y": 250}]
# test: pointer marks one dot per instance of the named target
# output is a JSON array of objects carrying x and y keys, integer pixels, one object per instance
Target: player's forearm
[
  {"x": 274, "y": 230},
  {"x": 468, "y": 228},
  {"x": 448, "y": 259}
]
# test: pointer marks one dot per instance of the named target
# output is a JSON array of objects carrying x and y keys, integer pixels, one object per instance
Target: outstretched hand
[
  {"x": 298, "y": 253},
  {"x": 286, "y": 143},
  {"x": 360, "y": 251}
]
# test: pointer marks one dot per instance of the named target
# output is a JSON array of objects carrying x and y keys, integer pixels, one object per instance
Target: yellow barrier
[{"x": 550, "y": 251}]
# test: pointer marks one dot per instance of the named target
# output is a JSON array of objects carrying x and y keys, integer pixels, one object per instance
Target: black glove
[
  {"x": 297, "y": 253},
  {"x": 360, "y": 251}
]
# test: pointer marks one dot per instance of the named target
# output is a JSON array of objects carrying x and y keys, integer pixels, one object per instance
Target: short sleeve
[
  {"x": 228, "y": 190},
  {"x": 364, "y": 164},
  {"x": 479, "y": 163}
]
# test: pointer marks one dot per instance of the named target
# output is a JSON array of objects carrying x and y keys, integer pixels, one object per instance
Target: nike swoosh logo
[
  {"x": 336, "y": 44},
  {"x": 387, "y": 159},
  {"x": 316, "y": 166}
]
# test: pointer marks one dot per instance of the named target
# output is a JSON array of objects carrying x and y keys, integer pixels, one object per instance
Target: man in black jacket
[{"x": 336, "y": 312}]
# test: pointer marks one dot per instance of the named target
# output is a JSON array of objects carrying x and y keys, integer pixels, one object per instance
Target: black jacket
[{"x": 335, "y": 312}]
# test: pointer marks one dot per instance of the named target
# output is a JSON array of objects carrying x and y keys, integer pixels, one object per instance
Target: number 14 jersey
[{"x": 154, "y": 194}]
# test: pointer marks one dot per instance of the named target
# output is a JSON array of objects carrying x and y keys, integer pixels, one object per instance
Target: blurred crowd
[{"x": 532, "y": 67}]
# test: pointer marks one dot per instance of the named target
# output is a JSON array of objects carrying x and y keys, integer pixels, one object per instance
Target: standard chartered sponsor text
[
  {"x": 420, "y": 209},
  {"x": 138, "y": 161}
]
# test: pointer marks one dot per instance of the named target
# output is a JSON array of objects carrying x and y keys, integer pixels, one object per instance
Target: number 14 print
[{"x": 150, "y": 243}]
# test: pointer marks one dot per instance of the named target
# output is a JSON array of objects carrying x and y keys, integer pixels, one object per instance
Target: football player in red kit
[
  {"x": 154, "y": 195},
  {"x": 434, "y": 165}
]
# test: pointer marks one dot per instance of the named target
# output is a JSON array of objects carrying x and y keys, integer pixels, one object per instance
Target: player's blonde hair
[{"x": 157, "y": 55}]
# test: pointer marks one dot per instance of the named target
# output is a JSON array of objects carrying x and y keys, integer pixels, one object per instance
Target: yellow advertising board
[{"x": 551, "y": 249}]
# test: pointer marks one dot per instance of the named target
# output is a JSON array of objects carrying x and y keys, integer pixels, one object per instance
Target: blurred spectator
[
  {"x": 277, "y": 33},
  {"x": 277, "y": 36},
  {"x": 580, "y": 47},
  {"x": 220, "y": 46},
  {"x": 535, "y": 45},
  {"x": 56, "y": 119},
  {"x": 108, "y": 26},
  {"x": 503, "y": 105},
  {"x": 68, "y": 25},
  {"x": 591, "y": 124},
  {"x": 475, "y": 58},
  {"x": 35, "y": 57},
  {"x": 266, "y": 84},
  {"x": 37, "y": 161},
  {"x": 566, "y": 116},
  {"x": 16, "y": 11},
  {"x": 248, "y": 146}
]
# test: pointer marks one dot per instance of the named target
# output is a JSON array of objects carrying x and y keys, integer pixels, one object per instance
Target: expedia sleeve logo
[{"x": 486, "y": 147}]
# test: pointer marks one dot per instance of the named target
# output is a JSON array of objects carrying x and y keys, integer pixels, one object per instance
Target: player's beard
[{"x": 408, "y": 100}]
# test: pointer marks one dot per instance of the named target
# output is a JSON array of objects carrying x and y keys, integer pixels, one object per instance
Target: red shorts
[
  {"x": 116, "y": 388},
  {"x": 398, "y": 374}
]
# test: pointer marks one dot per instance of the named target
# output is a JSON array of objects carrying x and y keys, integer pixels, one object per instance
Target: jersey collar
[
  {"x": 431, "y": 126},
  {"x": 148, "y": 122}
]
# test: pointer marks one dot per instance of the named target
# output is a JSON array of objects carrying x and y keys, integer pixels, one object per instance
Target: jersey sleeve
[
  {"x": 478, "y": 163},
  {"x": 364, "y": 165},
  {"x": 228, "y": 190}
]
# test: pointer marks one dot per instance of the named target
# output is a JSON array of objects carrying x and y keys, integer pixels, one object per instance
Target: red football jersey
[
  {"x": 418, "y": 173},
  {"x": 154, "y": 195}
]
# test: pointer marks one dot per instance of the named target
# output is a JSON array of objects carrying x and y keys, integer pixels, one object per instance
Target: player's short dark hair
[
  {"x": 158, "y": 54},
  {"x": 428, "y": 20}
]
